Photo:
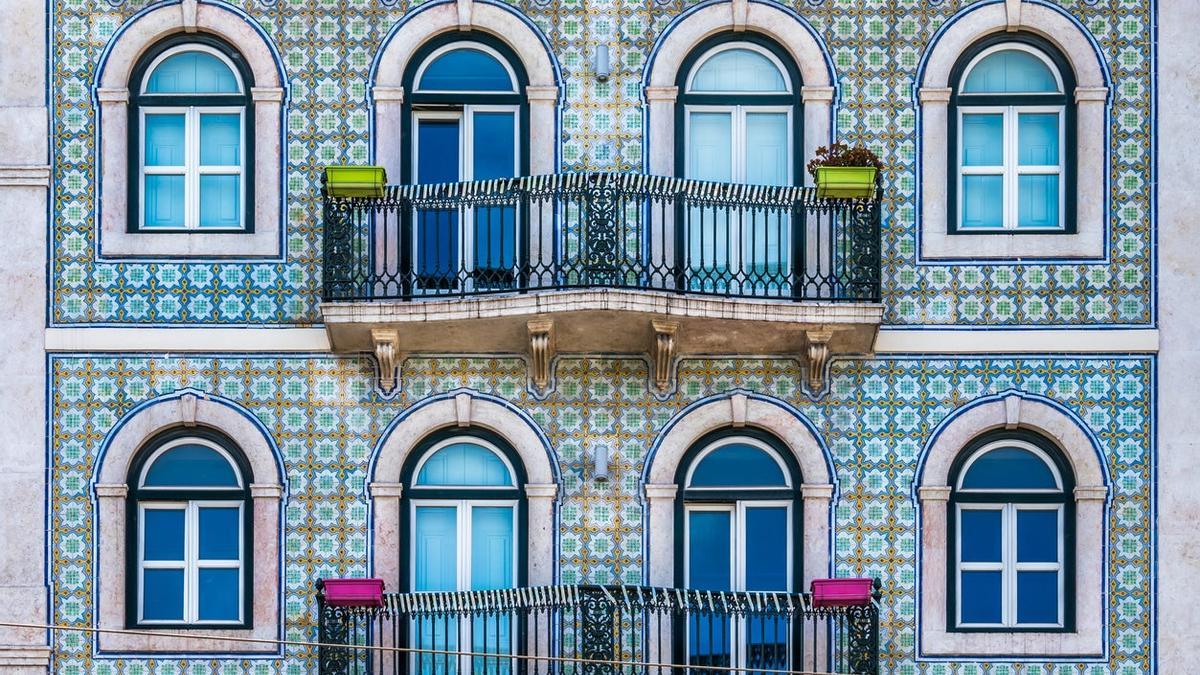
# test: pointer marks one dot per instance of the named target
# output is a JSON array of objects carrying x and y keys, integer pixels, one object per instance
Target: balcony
[
  {"x": 601, "y": 263},
  {"x": 598, "y": 630}
]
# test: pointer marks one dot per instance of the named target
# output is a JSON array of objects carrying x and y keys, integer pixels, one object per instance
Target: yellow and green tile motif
[
  {"x": 327, "y": 47},
  {"x": 325, "y": 418}
]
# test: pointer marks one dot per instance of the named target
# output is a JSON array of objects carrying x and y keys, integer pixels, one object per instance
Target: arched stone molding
[
  {"x": 463, "y": 409},
  {"x": 1092, "y": 157},
  {"x": 187, "y": 408},
  {"x": 1013, "y": 410},
  {"x": 111, "y": 92},
  {"x": 693, "y": 27},
  {"x": 496, "y": 19},
  {"x": 734, "y": 411}
]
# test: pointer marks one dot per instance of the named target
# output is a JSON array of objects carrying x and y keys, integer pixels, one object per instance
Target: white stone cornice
[
  {"x": 381, "y": 490},
  {"x": 1091, "y": 94},
  {"x": 112, "y": 95},
  {"x": 112, "y": 490},
  {"x": 541, "y": 93},
  {"x": 266, "y": 491},
  {"x": 816, "y": 491},
  {"x": 812, "y": 94},
  {"x": 934, "y": 493},
  {"x": 29, "y": 175},
  {"x": 20, "y": 657},
  {"x": 934, "y": 94},
  {"x": 389, "y": 94},
  {"x": 1085, "y": 493},
  {"x": 661, "y": 492},
  {"x": 266, "y": 94},
  {"x": 541, "y": 490},
  {"x": 662, "y": 93}
]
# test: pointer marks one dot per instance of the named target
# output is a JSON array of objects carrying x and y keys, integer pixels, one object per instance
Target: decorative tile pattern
[
  {"x": 327, "y": 47},
  {"x": 326, "y": 418}
]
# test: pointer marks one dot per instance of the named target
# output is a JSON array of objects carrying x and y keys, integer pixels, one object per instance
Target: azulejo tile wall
[
  {"x": 325, "y": 418},
  {"x": 327, "y": 47}
]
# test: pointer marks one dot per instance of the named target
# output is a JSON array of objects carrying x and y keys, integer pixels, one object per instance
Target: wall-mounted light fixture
[
  {"x": 600, "y": 462},
  {"x": 600, "y": 63}
]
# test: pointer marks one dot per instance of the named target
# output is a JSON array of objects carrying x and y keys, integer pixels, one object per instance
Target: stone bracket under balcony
[{"x": 663, "y": 325}]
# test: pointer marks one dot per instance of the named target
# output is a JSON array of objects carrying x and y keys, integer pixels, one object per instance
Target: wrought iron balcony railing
[
  {"x": 601, "y": 230},
  {"x": 598, "y": 630}
]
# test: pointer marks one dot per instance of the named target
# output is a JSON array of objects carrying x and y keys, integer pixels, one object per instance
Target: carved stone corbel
[
  {"x": 387, "y": 354},
  {"x": 541, "y": 351},
  {"x": 817, "y": 355},
  {"x": 664, "y": 351}
]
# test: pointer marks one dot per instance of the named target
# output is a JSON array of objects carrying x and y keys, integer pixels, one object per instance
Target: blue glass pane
[
  {"x": 220, "y": 201},
  {"x": 218, "y": 595},
  {"x": 163, "y": 533},
  {"x": 165, "y": 143},
  {"x": 1010, "y": 71},
  {"x": 437, "y": 229},
  {"x": 466, "y": 69},
  {"x": 1037, "y": 535},
  {"x": 494, "y": 146},
  {"x": 464, "y": 464},
  {"x": 738, "y": 70},
  {"x": 221, "y": 139},
  {"x": 192, "y": 73},
  {"x": 1037, "y": 597},
  {"x": 491, "y": 547},
  {"x": 766, "y": 548},
  {"x": 191, "y": 466},
  {"x": 767, "y": 151},
  {"x": 710, "y": 637},
  {"x": 710, "y": 146},
  {"x": 1008, "y": 468},
  {"x": 983, "y": 140},
  {"x": 982, "y": 202},
  {"x": 495, "y": 227},
  {"x": 738, "y": 465},
  {"x": 164, "y": 201},
  {"x": 980, "y": 597},
  {"x": 1037, "y": 199},
  {"x": 766, "y": 643},
  {"x": 435, "y": 549},
  {"x": 219, "y": 533},
  {"x": 981, "y": 535},
  {"x": 437, "y": 151},
  {"x": 708, "y": 551},
  {"x": 1037, "y": 139},
  {"x": 162, "y": 595}
]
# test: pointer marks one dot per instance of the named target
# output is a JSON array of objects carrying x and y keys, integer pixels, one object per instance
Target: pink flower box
[
  {"x": 353, "y": 592},
  {"x": 841, "y": 592}
]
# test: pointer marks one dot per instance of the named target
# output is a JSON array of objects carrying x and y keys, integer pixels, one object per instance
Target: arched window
[
  {"x": 1013, "y": 143},
  {"x": 1011, "y": 535},
  {"x": 740, "y": 523},
  {"x": 189, "y": 532},
  {"x": 465, "y": 530},
  {"x": 465, "y": 119},
  {"x": 738, "y": 120},
  {"x": 190, "y": 135}
]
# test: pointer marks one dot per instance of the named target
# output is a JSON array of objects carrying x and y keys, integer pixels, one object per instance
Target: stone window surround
[
  {"x": 463, "y": 409},
  {"x": 737, "y": 411},
  {"x": 816, "y": 91},
  {"x": 112, "y": 98},
  {"x": 1012, "y": 411},
  {"x": 436, "y": 18},
  {"x": 187, "y": 409},
  {"x": 1091, "y": 97}
]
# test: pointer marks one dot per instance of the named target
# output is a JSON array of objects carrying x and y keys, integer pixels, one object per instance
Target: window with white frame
[
  {"x": 191, "y": 520},
  {"x": 466, "y": 121},
  {"x": 740, "y": 533},
  {"x": 192, "y": 132},
  {"x": 739, "y": 115},
  {"x": 465, "y": 533},
  {"x": 1010, "y": 536},
  {"x": 1014, "y": 135}
]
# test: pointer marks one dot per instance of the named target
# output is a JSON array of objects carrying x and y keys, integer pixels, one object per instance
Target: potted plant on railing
[
  {"x": 355, "y": 181},
  {"x": 844, "y": 171}
]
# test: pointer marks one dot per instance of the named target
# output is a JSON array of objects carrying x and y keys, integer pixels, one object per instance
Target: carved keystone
[
  {"x": 387, "y": 354},
  {"x": 817, "y": 355},
  {"x": 187, "y": 15},
  {"x": 664, "y": 351},
  {"x": 187, "y": 409},
  {"x": 541, "y": 351}
]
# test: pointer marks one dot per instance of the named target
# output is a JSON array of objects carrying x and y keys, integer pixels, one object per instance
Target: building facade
[{"x": 641, "y": 370}]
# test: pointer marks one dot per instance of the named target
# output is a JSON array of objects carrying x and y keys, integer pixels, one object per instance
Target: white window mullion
[
  {"x": 191, "y": 581},
  {"x": 1008, "y": 556},
  {"x": 466, "y": 171},
  {"x": 1011, "y": 150},
  {"x": 191, "y": 187}
]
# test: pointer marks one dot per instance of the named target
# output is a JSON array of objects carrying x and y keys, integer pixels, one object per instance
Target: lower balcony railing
[
  {"x": 598, "y": 630},
  {"x": 632, "y": 231}
]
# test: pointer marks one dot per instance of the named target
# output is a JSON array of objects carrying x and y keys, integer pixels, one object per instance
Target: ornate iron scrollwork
[{"x": 597, "y": 641}]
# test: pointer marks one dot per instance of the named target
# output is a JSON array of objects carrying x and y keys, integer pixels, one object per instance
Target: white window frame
[
  {"x": 471, "y": 440},
  {"x": 737, "y": 567},
  {"x": 191, "y": 169},
  {"x": 463, "y": 512},
  {"x": 1011, "y": 169},
  {"x": 191, "y": 564},
  {"x": 737, "y": 440},
  {"x": 465, "y": 116},
  {"x": 1008, "y": 565}
]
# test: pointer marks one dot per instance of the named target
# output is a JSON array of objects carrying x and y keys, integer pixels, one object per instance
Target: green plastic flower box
[
  {"x": 355, "y": 181},
  {"x": 847, "y": 182}
]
